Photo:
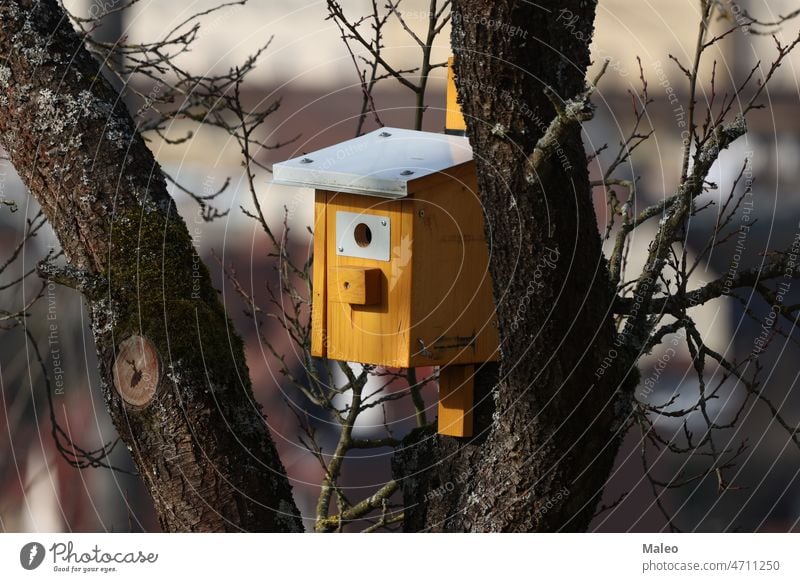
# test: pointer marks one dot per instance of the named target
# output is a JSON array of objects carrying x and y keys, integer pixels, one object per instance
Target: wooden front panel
[
  {"x": 379, "y": 333},
  {"x": 319, "y": 300},
  {"x": 452, "y": 305}
]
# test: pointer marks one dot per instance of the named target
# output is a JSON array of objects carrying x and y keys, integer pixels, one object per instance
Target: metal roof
[{"x": 381, "y": 163}]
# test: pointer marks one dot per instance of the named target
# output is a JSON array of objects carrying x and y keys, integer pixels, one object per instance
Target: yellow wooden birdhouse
[{"x": 400, "y": 273}]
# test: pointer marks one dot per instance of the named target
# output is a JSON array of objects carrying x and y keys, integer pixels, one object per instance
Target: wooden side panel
[
  {"x": 319, "y": 300},
  {"x": 374, "y": 334},
  {"x": 456, "y": 399},
  {"x": 452, "y": 307}
]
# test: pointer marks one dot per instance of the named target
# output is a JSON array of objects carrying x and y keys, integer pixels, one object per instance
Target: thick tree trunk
[
  {"x": 549, "y": 425},
  {"x": 201, "y": 444}
]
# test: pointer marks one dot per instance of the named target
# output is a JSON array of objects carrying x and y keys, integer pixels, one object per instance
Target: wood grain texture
[
  {"x": 137, "y": 371},
  {"x": 354, "y": 285},
  {"x": 456, "y": 399},
  {"x": 319, "y": 302},
  {"x": 374, "y": 334},
  {"x": 431, "y": 303},
  {"x": 452, "y": 308}
]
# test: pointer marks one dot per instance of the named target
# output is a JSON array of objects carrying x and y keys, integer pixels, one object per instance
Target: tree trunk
[
  {"x": 200, "y": 441},
  {"x": 548, "y": 426}
]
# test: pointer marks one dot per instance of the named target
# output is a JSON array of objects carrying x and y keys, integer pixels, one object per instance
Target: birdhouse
[{"x": 400, "y": 275}]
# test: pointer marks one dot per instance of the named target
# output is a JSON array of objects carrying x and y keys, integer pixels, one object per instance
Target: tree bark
[
  {"x": 201, "y": 444},
  {"x": 549, "y": 423}
]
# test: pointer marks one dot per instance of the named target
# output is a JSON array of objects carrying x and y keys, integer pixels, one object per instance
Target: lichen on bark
[{"x": 202, "y": 446}]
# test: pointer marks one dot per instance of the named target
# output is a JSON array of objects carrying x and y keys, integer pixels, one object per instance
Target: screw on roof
[{"x": 306, "y": 161}]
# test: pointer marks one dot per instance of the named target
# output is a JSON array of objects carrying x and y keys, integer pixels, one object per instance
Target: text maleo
[{"x": 659, "y": 549}]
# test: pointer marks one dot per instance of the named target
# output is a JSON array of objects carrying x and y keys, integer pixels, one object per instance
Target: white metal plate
[
  {"x": 365, "y": 236},
  {"x": 380, "y": 163}
]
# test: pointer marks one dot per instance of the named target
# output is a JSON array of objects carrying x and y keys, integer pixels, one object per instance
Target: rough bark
[
  {"x": 546, "y": 442},
  {"x": 201, "y": 445}
]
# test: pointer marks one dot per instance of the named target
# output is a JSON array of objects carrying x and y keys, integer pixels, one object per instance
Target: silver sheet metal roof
[{"x": 380, "y": 163}]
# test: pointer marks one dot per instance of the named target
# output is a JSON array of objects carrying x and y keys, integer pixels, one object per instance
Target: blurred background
[{"x": 309, "y": 69}]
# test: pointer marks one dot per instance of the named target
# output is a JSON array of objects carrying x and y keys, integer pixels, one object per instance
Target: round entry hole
[{"x": 362, "y": 234}]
